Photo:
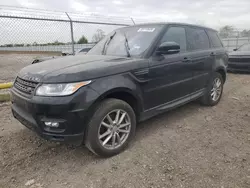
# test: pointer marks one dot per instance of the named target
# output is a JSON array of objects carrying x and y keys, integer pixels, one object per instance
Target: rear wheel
[
  {"x": 111, "y": 128},
  {"x": 214, "y": 91}
]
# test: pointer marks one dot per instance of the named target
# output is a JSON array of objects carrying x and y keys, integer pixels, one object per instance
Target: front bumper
[
  {"x": 70, "y": 111},
  {"x": 238, "y": 67}
]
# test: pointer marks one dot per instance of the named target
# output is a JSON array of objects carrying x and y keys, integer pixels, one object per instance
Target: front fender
[{"x": 118, "y": 83}]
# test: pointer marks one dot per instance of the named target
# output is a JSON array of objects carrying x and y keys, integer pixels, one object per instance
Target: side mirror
[
  {"x": 235, "y": 49},
  {"x": 168, "y": 48}
]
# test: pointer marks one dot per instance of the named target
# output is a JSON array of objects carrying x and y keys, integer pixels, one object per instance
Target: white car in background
[{"x": 41, "y": 59}]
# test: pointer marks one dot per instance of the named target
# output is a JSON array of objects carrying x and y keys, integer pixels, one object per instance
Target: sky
[{"x": 211, "y": 13}]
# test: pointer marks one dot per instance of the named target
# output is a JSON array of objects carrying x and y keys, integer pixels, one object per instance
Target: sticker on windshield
[
  {"x": 146, "y": 30},
  {"x": 136, "y": 46}
]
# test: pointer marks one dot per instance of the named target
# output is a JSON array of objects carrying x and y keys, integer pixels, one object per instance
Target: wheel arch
[
  {"x": 124, "y": 94},
  {"x": 223, "y": 73}
]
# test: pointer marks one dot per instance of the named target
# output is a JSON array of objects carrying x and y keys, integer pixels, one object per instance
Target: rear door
[
  {"x": 170, "y": 75},
  {"x": 198, "y": 45},
  {"x": 220, "y": 55}
]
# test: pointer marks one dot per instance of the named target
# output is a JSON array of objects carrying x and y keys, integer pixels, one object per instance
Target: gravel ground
[
  {"x": 10, "y": 64},
  {"x": 192, "y": 146}
]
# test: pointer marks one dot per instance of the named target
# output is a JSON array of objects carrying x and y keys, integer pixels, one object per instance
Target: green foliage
[
  {"x": 82, "y": 40},
  {"x": 229, "y": 31},
  {"x": 226, "y": 31},
  {"x": 245, "y": 33}
]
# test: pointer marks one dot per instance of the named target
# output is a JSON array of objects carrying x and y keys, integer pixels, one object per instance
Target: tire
[
  {"x": 93, "y": 132},
  {"x": 207, "y": 99}
]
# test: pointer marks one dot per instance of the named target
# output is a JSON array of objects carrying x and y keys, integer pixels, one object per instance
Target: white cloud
[
  {"x": 99, "y": 8},
  {"x": 79, "y": 7},
  {"x": 210, "y": 13},
  {"x": 214, "y": 13},
  {"x": 117, "y": 2},
  {"x": 27, "y": 3}
]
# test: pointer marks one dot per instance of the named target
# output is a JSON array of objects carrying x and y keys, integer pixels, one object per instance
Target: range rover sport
[{"x": 132, "y": 74}]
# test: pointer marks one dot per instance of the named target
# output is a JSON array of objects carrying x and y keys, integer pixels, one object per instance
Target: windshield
[
  {"x": 129, "y": 41},
  {"x": 244, "y": 47}
]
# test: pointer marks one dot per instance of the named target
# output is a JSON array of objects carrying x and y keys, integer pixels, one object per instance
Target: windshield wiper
[
  {"x": 126, "y": 45},
  {"x": 107, "y": 43}
]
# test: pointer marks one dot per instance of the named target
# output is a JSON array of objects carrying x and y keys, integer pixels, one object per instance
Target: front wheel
[
  {"x": 214, "y": 91},
  {"x": 111, "y": 128}
]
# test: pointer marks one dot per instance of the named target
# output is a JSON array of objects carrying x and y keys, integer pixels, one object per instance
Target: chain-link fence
[
  {"x": 233, "y": 39},
  {"x": 234, "y": 43},
  {"x": 28, "y": 34},
  {"x": 38, "y": 30}
]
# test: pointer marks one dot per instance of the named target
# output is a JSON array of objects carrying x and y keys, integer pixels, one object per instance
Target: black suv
[{"x": 134, "y": 73}]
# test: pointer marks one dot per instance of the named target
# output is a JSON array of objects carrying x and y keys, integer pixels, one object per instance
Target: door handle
[
  {"x": 186, "y": 59},
  {"x": 212, "y": 54}
]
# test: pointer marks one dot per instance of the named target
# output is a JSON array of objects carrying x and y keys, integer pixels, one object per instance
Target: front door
[{"x": 170, "y": 76}]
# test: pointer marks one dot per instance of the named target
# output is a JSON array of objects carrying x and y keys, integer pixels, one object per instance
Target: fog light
[
  {"x": 48, "y": 123},
  {"x": 55, "y": 124},
  {"x": 51, "y": 124}
]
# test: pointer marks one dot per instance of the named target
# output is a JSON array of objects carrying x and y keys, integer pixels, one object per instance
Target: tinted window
[
  {"x": 197, "y": 39},
  {"x": 215, "y": 40},
  {"x": 84, "y": 50},
  {"x": 175, "y": 34}
]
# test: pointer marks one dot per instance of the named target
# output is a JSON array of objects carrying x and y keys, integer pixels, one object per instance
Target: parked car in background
[
  {"x": 83, "y": 51},
  {"x": 239, "y": 59},
  {"x": 41, "y": 59},
  {"x": 132, "y": 74}
]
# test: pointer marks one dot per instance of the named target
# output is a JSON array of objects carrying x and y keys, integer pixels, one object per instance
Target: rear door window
[
  {"x": 215, "y": 40},
  {"x": 197, "y": 39},
  {"x": 176, "y": 34}
]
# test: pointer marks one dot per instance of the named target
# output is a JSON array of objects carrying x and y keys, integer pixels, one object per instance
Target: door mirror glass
[{"x": 168, "y": 48}]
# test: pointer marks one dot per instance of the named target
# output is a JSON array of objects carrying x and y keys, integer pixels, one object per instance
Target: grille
[
  {"x": 240, "y": 60},
  {"x": 25, "y": 86}
]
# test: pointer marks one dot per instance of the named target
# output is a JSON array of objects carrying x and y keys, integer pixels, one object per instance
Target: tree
[
  {"x": 245, "y": 33},
  {"x": 99, "y": 35},
  {"x": 18, "y": 45},
  {"x": 82, "y": 40},
  {"x": 226, "y": 31},
  {"x": 56, "y": 43},
  {"x": 9, "y": 45}
]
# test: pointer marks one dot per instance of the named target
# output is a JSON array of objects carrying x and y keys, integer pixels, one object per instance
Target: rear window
[
  {"x": 197, "y": 39},
  {"x": 215, "y": 40}
]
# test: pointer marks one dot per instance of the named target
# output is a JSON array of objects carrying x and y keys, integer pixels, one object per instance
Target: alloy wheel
[
  {"x": 216, "y": 90},
  {"x": 114, "y": 129}
]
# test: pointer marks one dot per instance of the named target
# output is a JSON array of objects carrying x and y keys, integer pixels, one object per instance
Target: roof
[{"x": 174, "y": 23}]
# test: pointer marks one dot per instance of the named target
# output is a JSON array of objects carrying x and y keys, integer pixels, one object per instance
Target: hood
[
  {"x": 240, "y": 53},
  {"x": 79, "y": 68}
]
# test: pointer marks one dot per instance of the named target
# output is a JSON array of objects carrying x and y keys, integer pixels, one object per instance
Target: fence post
[
  {"x": 133, "y": 21},
  {"x": 72, "y": 34},
  {"x": 237, "y": 39}
]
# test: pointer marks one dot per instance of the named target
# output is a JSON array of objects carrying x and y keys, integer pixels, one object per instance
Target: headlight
[{"x": 60, "y": 89}]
